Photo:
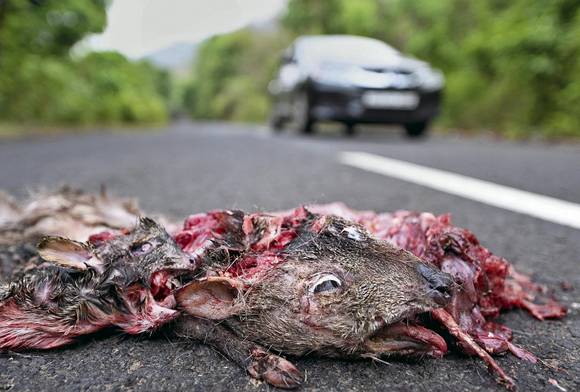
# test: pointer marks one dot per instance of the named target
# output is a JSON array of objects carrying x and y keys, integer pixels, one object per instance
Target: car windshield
[{"x": 349, "y": 50}]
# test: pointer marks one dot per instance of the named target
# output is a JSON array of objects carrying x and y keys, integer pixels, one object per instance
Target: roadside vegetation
[
  {"x": 43, "y": 83},
  {"x": 511, "y": 67},
  {"x": 231, "y": 76}
]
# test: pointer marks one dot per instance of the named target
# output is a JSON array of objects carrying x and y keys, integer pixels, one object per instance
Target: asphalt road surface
[{"x": 195, "y": 167}]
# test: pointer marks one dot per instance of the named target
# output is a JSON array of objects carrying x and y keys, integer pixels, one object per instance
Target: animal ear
[
  {"x": 146, "y": 222},
  {"x": 213, "y": 298},
  {"x": 65, "y": 252}
]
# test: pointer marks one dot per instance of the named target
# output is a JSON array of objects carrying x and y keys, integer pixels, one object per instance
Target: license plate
[{"x": 390, "y": 100}]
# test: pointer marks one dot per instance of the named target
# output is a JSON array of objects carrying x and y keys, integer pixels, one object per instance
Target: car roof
[
  {"x": 344, "y": 48},
  {"x": 330, "y": 38}
]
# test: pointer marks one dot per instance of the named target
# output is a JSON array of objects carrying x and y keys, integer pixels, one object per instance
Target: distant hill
[
  {"x": 179, "y": 58},
  {"x": 176, "y": 58}
]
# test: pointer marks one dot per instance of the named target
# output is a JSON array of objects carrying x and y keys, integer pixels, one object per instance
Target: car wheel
[
  {"x": 302, "y": 118},
  {"x": 349, "y": 129},
  {"x": 416, "y": 129},
  {"x": 277, "y": 123},
  {"x": 306, "y": 126}
]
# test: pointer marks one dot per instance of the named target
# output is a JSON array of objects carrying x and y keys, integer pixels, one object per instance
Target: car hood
[{"x": 398, "y": 63}]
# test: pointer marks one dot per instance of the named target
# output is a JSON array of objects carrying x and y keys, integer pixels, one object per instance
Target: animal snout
[{"x": 440, "y": 284}]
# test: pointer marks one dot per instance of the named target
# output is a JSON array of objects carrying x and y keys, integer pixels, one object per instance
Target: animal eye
[
  {"x": 141, "y": 248},
  {"x": 326, "y": 283}
]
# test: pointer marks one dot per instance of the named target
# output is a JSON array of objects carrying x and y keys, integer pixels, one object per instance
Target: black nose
[{"x": 439, "y": 284}]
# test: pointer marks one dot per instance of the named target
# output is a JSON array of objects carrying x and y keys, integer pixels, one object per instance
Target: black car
[{"x": 353, "y": 80}]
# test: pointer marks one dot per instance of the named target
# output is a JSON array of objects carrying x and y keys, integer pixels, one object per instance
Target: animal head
[
  {"x": 143, "y": 266},
  {"x": 334, "y": 289},
  {"x": 147, "y": 249},
  {"x": 150, "y": 251}
]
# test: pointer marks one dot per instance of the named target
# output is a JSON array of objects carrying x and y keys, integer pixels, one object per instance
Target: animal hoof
[{"x": 274, "y": 370}]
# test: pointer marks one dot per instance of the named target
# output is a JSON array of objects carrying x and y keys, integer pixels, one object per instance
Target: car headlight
[{"x": 430, "y": 79}]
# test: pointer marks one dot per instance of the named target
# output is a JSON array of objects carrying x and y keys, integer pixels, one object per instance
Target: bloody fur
[
  {"x": 486, "y": 284},
  {"x": 74, "y": 288},
  {"x": 237, "y": 253}
]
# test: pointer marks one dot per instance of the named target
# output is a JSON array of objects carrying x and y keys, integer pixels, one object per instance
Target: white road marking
[{"x": 539, "y": 206}]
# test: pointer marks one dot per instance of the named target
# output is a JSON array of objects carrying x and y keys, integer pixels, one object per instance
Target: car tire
[
  {"x": 277, "y": 123},
  {"x": 306, "y": 127},
  {"x": 349, "y": 129},
  {"x": 416, "y": 129},
  {"x": 303, "y": 120}
]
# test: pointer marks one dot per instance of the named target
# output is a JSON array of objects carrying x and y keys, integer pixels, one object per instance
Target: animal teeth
[{"x": 172, "y": 283}]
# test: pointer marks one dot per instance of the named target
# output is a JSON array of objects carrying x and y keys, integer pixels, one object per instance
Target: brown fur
[{"x": 380, "y": 285}]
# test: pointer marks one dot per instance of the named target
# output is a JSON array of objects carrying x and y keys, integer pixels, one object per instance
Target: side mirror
[{"x": 288, "y": 57}]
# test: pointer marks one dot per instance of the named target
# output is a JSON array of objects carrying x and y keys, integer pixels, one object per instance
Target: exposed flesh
[{"x": 488, "y": 284}]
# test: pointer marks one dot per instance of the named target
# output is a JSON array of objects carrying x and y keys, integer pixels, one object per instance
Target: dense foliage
[
  {"x": 40, "y": 82},
  {"x": 513, "y": 67},
  {"x": 232, "y": 74}
]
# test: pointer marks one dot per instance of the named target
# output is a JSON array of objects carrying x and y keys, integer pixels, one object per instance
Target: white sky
[{"x": 139, "y": 27}]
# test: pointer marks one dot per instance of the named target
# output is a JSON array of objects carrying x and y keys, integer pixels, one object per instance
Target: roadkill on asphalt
[{"x": 318, "y": 280}]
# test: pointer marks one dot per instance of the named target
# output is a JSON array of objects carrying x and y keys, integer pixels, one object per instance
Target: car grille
[{"x": 389, "y": 70}]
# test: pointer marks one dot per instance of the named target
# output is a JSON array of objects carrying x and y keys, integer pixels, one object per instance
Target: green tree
[
  {"x": 41, "y": 83},
  {"x": 232, "y": 74},
  {"x": 513, "y": 67}
]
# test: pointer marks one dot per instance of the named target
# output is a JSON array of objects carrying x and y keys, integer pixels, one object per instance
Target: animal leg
[{"x": 256, "y": 360}]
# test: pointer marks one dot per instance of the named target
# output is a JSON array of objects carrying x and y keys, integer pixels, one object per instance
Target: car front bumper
[{"x": 346, "y": 104}]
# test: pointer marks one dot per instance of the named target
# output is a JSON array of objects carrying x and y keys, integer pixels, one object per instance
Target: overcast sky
[{"x": 139, "y": 27}]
